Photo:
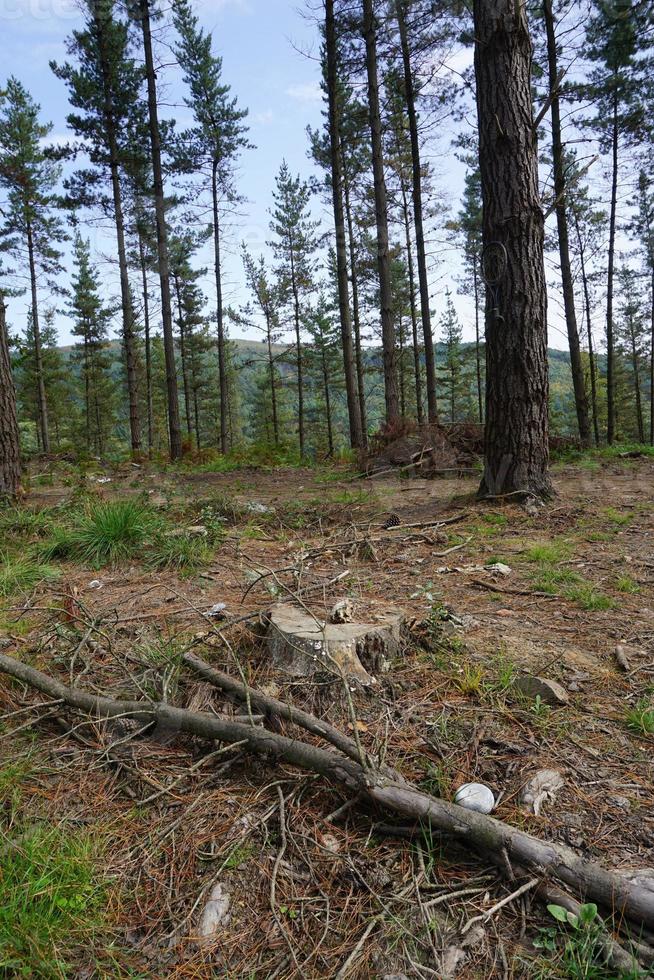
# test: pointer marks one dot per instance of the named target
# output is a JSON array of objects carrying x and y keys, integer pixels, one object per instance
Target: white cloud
[
  {"x": 264, "y": 118},
  {"x": 305, "y": 92}
]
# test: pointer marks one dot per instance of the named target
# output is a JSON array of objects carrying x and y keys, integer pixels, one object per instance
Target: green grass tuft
[
  {"x": 104, "y": 533},
  {"x": 22, "y": 574},
  {"x": 184, "y": 552},
  {"x": 640, "y": 718},
  {"x": 549, "y": 552},
  {"x": 625, "y": 583}
]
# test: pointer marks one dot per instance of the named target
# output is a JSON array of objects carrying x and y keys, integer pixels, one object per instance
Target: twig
[
  {"x": 354, "y": 955},
  {"x": 500, "y": 905},
  {"x": 275, "y": 871}
]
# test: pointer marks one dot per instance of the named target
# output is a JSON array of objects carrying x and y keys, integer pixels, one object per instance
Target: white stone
[{"x": 475, "y": 796}]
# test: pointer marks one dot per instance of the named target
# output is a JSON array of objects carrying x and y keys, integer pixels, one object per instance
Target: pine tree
[
  {"x": 211, "y": 149},
  {"x": 643, "y": 226},
  {"x": 63, "y": 412},
  {"x": 267, "y": 301},
  {"x": 452, "y": 381},
  {"x": 632, "y": 344},
  {"x": 294, "y": 247},
  {"x": 104, "y": 87},
  {"x": 31, "y": 225},
  {"x": 91, "y": 321},
  {"x": 10, "y": 466},
  {"x": 325, "y": 365}
]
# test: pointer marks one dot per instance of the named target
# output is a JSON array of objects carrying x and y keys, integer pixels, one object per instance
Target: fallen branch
[{"x": 488, "y": 835}]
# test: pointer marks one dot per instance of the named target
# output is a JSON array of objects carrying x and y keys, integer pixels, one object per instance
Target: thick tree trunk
[
  {"x": 174, "y": 429},
  {"x": 9, "y": 436},
  {"x": 516, "y": 439},
  {"x": 354, "y": 412},
  {"x": 381, "y": 219},
  {"x": 356, "y": 319},
  {"x": 425, "y": 313},
  {"x": 222, "y": 365},
  {"x": 41, "y": 399},
  {"x": 146, "y": 337},
  {"x": 125, "y": 294},
  {"x": 610, "y": 354},
  {"x": 581, "y": 399}
]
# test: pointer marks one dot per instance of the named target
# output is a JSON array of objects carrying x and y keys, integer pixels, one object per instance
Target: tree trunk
[
  {"x": 610, "y": 355},
  {"x": 356, "y": 320},
  {"x": 581, "y": 399},
  {"x": 174, "y": 429},
  {"x": 148, "y": 351},
  {"x": 87, "y": 389},
  {"x": 475, "y": 282},
  {"x": 412, "y": 305},
  {"x": 125, "y": 294},
  {"x": 516, "y": 438},
  {"x": 381, "y": 218},
  {"x": 222, "y": 366},
  {"x": 271, "y": 371},
  {"x": 635, "y": 364},
  {"x": 41, "y": 399},
  {"x": 9, "y": 435},
  {"x": 182, "y": 355},
  {"x": 651, "y": 367},
  {"x": 589, "y": 331},
  {"x": 298, "y": 349},
  {"x": 354, "y": 412},
  {"x": 328, "y": 401},
  {"x": 409, "y": 95}
]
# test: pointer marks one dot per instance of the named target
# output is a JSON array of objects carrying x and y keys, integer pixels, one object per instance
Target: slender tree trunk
[
  {"x": 298, "y": 349},
  {"x": 87, "y": 389},
  {"x": 581, "y": 399},
  {"x": 356, "y": 319},
  {"x": 400, "y": 338},
  {"x": 589, "y": 331},
  {"x": 412, "y": 305},
  {"x": 610, "y": 355},
  {"x": 148, "y": 350},
  {"x": 475, "y": 282},
  {"x": 174, "y": 429},
  {"x": 222, "y": 365},
  {"x": 651, "y": 366},
  {"x": 409, "y": 95},
  {"x": 328, "y": 401},
  {"x": 635, "y": 364},
  {"x": 354, "y": 412},
  {"x": 516, "y": 440},
  {"x": 271, "y": 370},
  {"x": 182, "y": 355},
  {"x": 10, "y": 470},
  {"x": 125, "y": 294},
  {"x": 41, "y": 399},
  {"x": 381, "y": 219}
]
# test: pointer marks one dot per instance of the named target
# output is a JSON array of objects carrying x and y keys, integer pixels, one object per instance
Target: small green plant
[
  {"x": 185, "y": 552},
  {"x": 582, "y": 956},
  {"x": 640, "y": 718},
  {"x": 619, "y": 518},
  {"x": 539, "y": 708},
  {"x": 549, "y": 552},
  {"x": 625, "y": 583},
  {"x": 588, "y": 597},
  {"x": 106, "y": 532},
  {"x": 471, "y": 679},
  {"x": 22, "y": 574}
]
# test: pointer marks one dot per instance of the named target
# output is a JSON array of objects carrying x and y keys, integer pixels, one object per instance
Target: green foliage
[
  {"x": 625, "y": 583},
  {"x": 105, "y": 532},
  {"x": 184, "y": 552},
  {"x": 640, "y": 718},
  {"x": 22, "y": 574},
  {"x": 575, "y": 947},
  {"x": 52, "y": 900},
  {"x": 549, "y": 552}
]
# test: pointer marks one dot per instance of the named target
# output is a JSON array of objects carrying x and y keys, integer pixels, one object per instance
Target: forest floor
[{"x": 110, "y": 848}]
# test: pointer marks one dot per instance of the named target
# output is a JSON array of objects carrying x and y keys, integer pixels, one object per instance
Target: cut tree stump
[{"x": 303, "y": 645}]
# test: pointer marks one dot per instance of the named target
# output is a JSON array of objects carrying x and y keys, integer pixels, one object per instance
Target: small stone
[
  {"x": 543, "y": 786},
  {"x": 550, "y": 692},
  {"x": 96, "y": 584},
  {"x": 498, "y": 568},
  {"x": 451, "y": 962},
  {"x": 217, "y": 611},
  {"x": 475, "y": 796},
  {"x": 215, "y": 913}
]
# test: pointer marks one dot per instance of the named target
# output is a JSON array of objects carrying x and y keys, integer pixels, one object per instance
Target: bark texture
[
  {"x": 516, "y": 438},
  {"x": 9, "y": 440}
]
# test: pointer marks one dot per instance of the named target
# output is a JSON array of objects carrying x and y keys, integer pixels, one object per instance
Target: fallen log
[{"x": 496, "y": 840}]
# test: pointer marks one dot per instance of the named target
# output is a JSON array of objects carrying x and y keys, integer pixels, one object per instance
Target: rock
[
  {"x": 451, "y": 962},
  {"x": 215, "y": 913},
  {"x": 550, "y": 692},
  {"x": 395, "y": 976},
  {"x": 217, "y": 611},
  {"x": 302, "y": 645},
  {"x": 342, "y": 612},
  {"x": 96, "y": 584},
  {"x": 623, "y": 654},
  {"x": 543, "y": 786},
  {"x": 5, "y": 641},
  {"x": 254, "y": 507},
  {"x": 475, "y": 796},
  {"x": 498, "y": 568}
]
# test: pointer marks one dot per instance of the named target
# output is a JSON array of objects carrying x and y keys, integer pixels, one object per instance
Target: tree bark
[
  {"x": 41, "y": 398},
  {"x": 610, "y": 354},
  {"x": 581, "y": 399},
  {"x": 271, "y": 373},
  {"x": 425, "y": 313},
  {"x": 381, "y": 219},
  {"x": 125, "y": 294},
  {"x": 174, "y": 429},
  {"x": 412, "y": 306},
  {"x": 516, "y": 436},
  {"x": 356, "y": 320},
  {"x": 589, "y": 331},
  {"x": 148, "y": 350},
  {"x": 475, "y": 283},
  {"x": 354, "y": 412},
  {"x": 635, "y": 366},
  {"x": 298, "y": 350},
  {"x": 182, "y": 355},
  {"x": 10, "y": 470}
]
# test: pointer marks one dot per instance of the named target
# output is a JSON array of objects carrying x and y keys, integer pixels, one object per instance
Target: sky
[{"x": 269, "y": 50}]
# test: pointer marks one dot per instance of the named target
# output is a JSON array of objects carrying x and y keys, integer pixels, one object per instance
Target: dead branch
[{"x": 613, "y": 891}]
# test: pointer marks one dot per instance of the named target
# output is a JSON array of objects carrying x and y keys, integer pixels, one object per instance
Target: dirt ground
[{"x": 316, "y": 884}]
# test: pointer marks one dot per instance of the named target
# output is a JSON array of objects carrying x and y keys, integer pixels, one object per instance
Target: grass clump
[
  {"x": 22, "y": 573},
  {"x": 51, "y": 903},
  {"x": 549, "y": 552},
  {"x": 640, "y": 718},
  {"x": 625, "y": 583},
  {"x": 105, "y": 533},
  {"x": 184, "y": 552}
]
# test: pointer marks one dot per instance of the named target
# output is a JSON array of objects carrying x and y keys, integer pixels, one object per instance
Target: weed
[
  {"x": 588, "y": 597},
  {"x": 539, "y": 708},
  {"x": 549, "y": 552},
  {"x": 640, "y": 718},
  {"x": 25, "y": 523},
  {"x": 436, "y": 781},
  {"x": 51, "y": 900},
  {"x": 106, "y": 532},
  {"x": 583, "y": 954},
  {"x": 22, "y": 574},
  {"x": 617, "y": 517},
  {"x": 625, "y": 583},
  {"x": 550, "y": 580},
  {"x": 184, "y": 552},
  {"x": 471, "y": 680}
]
